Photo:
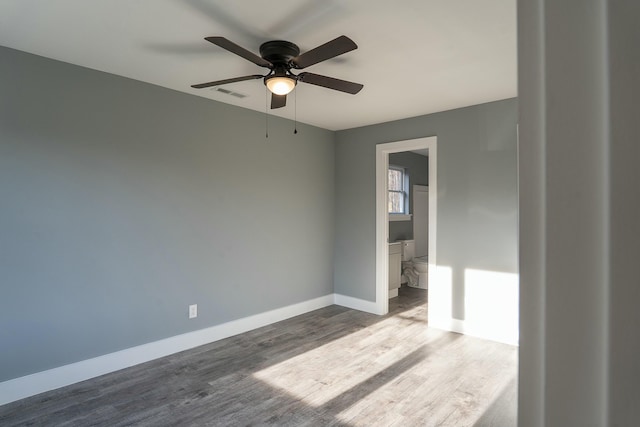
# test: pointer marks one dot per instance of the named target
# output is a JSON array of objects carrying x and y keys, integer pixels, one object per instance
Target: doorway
[{"x": 382, "y": 214}]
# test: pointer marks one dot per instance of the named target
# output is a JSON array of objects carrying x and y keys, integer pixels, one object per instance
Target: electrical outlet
[{"x": 193, "y": 311}]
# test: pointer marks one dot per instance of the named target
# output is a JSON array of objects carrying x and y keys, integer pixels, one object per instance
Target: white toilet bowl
[
  {"x": 421, "y": 266},
  {"x": 414, "y": 270}
]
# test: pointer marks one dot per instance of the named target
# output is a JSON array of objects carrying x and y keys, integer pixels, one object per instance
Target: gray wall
[
  {"x": 477, "y": 195},
  {"x": 624, "y": 66},
  {"x": 580, "y": 210},
  {"x": 417, "y": 168},
  {"x": 123, "y": 203}
]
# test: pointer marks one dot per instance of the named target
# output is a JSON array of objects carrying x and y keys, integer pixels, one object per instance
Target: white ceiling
[{"x": 414, "y": 57}]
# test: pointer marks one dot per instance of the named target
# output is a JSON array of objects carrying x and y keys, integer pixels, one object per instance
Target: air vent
[{"x": 229, "y": 92}]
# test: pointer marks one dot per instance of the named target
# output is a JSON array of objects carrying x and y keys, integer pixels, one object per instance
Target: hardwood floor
[{"x": 330, "y": 367}]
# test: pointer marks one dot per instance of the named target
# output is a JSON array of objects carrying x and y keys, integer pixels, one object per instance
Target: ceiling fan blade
[
  {"x": 335, "y": 47},
  {"x": 224, "y": 82},
  {"x": 239, "y": 50},
  {"x": 330, "y": 82},
  {"x": 278, "y": 101}
]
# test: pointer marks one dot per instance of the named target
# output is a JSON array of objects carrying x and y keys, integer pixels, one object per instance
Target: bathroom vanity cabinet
[{"x": 395, "y": 269}]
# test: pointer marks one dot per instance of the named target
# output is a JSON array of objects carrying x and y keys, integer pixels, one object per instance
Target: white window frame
[{"x": 405, "y": 215}]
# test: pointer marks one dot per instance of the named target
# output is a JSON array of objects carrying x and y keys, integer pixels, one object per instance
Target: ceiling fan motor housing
[{"x": 279, "y": 52}]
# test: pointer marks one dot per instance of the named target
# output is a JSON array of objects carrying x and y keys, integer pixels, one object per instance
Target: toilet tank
[{"x": 408, "y": 249}]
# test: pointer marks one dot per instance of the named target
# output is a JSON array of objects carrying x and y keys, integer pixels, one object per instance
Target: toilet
[
  {"x": 421, "y": 266},
  {"x": 414, "y": 269}
]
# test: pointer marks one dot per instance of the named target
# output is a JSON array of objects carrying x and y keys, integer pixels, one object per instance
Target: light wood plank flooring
[{"x": 330, "y": 367}]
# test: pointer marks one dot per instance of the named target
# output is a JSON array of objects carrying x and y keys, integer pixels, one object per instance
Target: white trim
[
  {"x": 357, "y": 303},
  {"x": 400, "y": 217},
  {"x": 382, "y": 215},
  {"x": 467, "y": 328},
  {"x": 415, "y": 191},
  {"x": 393, "y": 293},
  {"x": 51, "y": 379}
]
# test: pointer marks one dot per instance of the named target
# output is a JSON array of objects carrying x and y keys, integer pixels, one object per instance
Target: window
[{"x": 398, "y": 185}]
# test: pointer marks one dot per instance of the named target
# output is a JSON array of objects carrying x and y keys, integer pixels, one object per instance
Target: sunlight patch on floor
[{"x": 324, "y": 373}]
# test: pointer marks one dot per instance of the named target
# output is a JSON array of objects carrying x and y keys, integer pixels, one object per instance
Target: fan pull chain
[
  {"x": 266, "y": 113},
  {"x": 295, "y": 112}
]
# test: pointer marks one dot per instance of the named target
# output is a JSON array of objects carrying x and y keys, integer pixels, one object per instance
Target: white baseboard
[
  {"x": 33, "y": 384},
  {"x": 356, "y": 303},
  {"x": 393, "y": 293},
  {"x": 467, "y": 328}
]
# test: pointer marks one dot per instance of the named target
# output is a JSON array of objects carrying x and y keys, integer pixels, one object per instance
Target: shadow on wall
[{"x": 490, "y": 303}]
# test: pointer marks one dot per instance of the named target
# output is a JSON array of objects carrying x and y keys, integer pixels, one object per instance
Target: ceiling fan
[{"x": 280, "y": 57}]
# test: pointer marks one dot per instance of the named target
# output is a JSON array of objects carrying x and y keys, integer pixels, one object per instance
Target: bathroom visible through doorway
[{"x": 423, "y": 145}]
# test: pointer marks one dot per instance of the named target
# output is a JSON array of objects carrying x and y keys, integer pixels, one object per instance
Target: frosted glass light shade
[{"x": 281, "y": 85}]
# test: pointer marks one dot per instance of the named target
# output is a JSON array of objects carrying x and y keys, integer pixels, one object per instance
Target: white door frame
[{"x": 382, "y": 215}]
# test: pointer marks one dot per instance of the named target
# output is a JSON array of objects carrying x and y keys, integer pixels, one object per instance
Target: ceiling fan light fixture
[{"x": 280, "y": 85}]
